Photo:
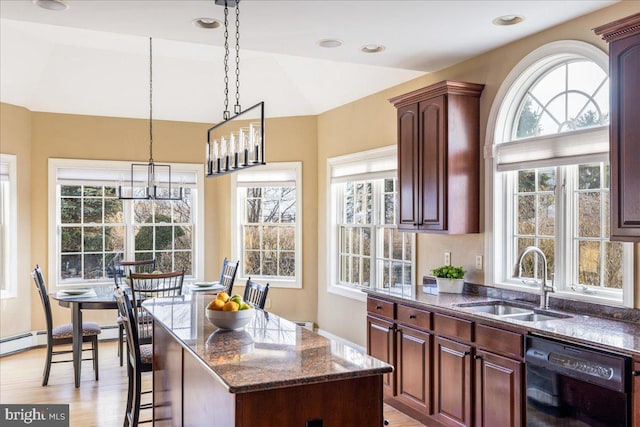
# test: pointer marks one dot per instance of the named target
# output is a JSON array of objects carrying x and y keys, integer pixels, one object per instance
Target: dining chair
[
  {"x": 228, "y": 274},
  {"x": 146, "y": 285},
  {"x": 139, "y": 360},
  {"x": 122, "y": 269},
  {"x": 256, "y": 294},
  {"x": 63, "y": 334}
]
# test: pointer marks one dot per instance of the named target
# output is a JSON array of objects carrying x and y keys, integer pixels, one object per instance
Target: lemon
[
  {"x": 223, "y": 296},
  {"x": 237, "y": 299},
  {"x": 216, "y": 304},
  {"x": 231, "y": 306},
  {"x": 244, "y": 306}
]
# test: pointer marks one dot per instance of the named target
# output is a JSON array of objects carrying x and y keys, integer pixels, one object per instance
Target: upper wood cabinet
[
  {"x": 439, "y": 158},
  {"x": 624, "y": 130}
]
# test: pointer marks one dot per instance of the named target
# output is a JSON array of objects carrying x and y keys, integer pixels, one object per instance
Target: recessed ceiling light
[
  {"x": 329, "y": 43},
  {"x": 373, "y": 48},
  {"x": 51, "y": 4},
  {"x": 508, "y": 20},
  {"x": 206, "y": 23}
]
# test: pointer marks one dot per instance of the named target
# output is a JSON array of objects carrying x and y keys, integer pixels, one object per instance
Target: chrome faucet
[{"x": 544, "y": 288}]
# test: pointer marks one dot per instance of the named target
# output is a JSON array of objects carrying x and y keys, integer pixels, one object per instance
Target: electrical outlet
[
  {"x": 447, "y": 258},
  {"x": 478, "y": 262}
]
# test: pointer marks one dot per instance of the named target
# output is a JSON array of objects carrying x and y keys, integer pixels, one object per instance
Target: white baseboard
[
  {"x": 341, "y": 340},
  {"x": 33, "y": 339}
]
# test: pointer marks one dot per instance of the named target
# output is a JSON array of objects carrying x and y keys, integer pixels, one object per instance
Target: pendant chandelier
[
  {"x": 149, "y": 181},
  {"x": 237, "y": 142}
]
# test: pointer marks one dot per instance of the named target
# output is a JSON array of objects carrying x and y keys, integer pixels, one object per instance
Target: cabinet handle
[
  {"x": 378, "y": 307},
  {"x": 412, "y": 316},
  {"x": 466, "y": 353},
  {"x": 635, "y": 373},
  {"x": 477, "y": 357}
]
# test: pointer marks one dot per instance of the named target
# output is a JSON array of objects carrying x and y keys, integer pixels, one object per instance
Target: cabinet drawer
[
  {"x": 415, "y": 317},
  {"x": 453, "y": 327},
  {"x": 381, "y": 308},
  {"x": 499, "y": 341}
]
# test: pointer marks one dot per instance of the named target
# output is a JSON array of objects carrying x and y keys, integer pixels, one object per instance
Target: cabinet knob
[
  {"x": 378, "y": 307},
  {"x": 412, "y": 316},
  {"x": 466, "y": 353},
  {"x": 477, "y": 357},
  {"x": 635, "y": 373}
]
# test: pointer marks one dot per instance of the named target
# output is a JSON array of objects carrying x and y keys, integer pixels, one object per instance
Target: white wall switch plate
[
  {"x": 447, "y": 258},
  {"x": 478, "y": 262}
]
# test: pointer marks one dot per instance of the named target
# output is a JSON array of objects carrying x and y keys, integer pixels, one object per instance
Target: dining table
[{"x": 96, "y": 297}]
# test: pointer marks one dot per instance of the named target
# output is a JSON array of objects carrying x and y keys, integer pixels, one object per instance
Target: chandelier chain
[
  {"x": 237, "y": 107},
  {"x": 225, "y": 114},
  {"x": 150, "y": 100}
]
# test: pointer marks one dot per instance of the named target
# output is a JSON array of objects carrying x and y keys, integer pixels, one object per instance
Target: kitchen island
[{"x": 270, "y": 373}]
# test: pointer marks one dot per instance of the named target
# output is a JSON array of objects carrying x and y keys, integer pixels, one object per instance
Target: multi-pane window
[
  {"x": 267, "y": 224},
  {"x": 372, "y": 253},
  {"x": 552, "y": 181},
  {"x": 8, "y": 225}
]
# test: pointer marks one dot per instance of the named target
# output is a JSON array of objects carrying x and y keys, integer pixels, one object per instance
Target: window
[
  {"x": 367, "y": 250},
  {"x": 268, "y": 223},
  {"x": 8, "y": 226},
  {"x": 551, "y": 176},
  {"x": 92, "y": 227}
]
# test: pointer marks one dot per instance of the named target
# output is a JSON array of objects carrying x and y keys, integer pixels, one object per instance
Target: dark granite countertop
[
  {"x": 270, "y": 352},
  {"x": 597, "y": 332}
]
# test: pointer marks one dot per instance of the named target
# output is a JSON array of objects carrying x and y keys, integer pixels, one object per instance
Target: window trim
[
  {"x": 236, "y": 225},
  {"x": 11, "y": 290},
  {"x": 502, "y": 112},
  {"x": 378, "y": 159},
  {"x": 55, "y": 164}
]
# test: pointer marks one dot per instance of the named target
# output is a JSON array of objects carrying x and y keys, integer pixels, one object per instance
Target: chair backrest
[
  {"x": 44, "y": 297},
  {"x": 228, "y": 274},
  {"x": 125, "y": 268},
  {"x": 126, "y": 312},
  {"x": 146, "y": 285},
  {"x": 256, "y": 294}
]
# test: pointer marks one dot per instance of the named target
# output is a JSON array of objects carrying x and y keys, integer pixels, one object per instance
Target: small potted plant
[{"x": 450, "y": 279}]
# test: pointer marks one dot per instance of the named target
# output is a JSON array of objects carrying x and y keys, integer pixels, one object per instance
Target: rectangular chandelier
[
  {"x": 236, "y": 143},
  {"x": 149, "y": 181}
]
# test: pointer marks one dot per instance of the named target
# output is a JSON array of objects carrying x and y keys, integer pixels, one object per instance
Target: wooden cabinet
[
  {"x": 438, "y": 158},
  {"x": 381, "y": 345},
  {"x": 624, "y": 130},
  {"x": 452, "y": 382},
  {"x": 413, "y": 374},
  {"x": 498, "y": 391},
  {"x": 636, "y": 394}
]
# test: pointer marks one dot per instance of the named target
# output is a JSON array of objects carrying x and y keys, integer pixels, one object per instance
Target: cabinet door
[
  {"x": 452, "y": 382},
  {"x": 624, "y": 56},
  {"x": 414, "y": 369},
  {"x": 432, "y": 164},
  {"x": 408, "y": 170},
  {"x": 636, "y": 394},
  {"x": 498, "y": 391},
  {"x": 380, "y": 344}
]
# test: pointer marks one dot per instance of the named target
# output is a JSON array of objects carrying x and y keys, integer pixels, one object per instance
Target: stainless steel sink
[
  {"x": 538, "y": 317},
  {"x": 497, "y": 308}
]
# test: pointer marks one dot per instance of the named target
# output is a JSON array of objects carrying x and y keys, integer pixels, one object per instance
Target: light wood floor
[{"x": 94, "y": 403}]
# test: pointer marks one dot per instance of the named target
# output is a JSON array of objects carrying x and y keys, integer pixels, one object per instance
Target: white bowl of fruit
[{"x": 229, "y": 312}]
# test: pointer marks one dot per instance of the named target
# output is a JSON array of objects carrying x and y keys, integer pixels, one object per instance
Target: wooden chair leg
[
  {"x": 130, "y": 391},
  {"x": 47, "y": 365},
  {"x": 137, "y": 395},
  {"x": 94, "y": 347},
  {"x": 120, "y": 340}
]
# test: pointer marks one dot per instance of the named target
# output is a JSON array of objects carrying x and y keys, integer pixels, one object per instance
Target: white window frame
[
  {"x": 271, "y": 173},
  {"x": 367, "y": 165},
  {"x": 9, "y": 223},
  {"x": 114, "y": 168},
  {"x": 513, "y": 155}
]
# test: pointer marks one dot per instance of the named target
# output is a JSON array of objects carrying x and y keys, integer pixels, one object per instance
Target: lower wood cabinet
[
  {"x": 636, "y": 393},
  {"x": 498, "y": 391},
  {"x": 413, "y": 373},
  {"x": 380, "y": 344},
  {"x": 452, "y": 382}
]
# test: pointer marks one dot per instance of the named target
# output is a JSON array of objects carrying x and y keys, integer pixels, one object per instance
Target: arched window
[{"x": 548, "y": 176}]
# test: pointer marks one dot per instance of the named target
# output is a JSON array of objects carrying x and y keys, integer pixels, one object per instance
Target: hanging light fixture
[
  {"x": 237, "y": 142},
  {"x": 149, "y": 181}
]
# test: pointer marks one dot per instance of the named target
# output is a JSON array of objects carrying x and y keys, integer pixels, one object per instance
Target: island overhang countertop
[{"x": 270, "y": 352}]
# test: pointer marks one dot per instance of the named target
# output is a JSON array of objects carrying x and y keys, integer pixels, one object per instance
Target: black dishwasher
[{"x": 572, "y": 386}]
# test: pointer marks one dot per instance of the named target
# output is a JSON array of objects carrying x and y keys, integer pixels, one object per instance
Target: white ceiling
[{"x": 93, "y": 57}]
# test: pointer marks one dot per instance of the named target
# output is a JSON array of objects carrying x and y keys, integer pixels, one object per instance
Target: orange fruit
[
  {"x": 231, "y": 306},
  {"x": 216, "y": 304},
  {"x": 223, "y": 296}
]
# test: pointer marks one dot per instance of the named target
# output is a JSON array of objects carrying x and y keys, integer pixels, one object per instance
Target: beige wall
[
  {"x": 15, "y": 138},
  {"x": 370, "y": 123}
]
